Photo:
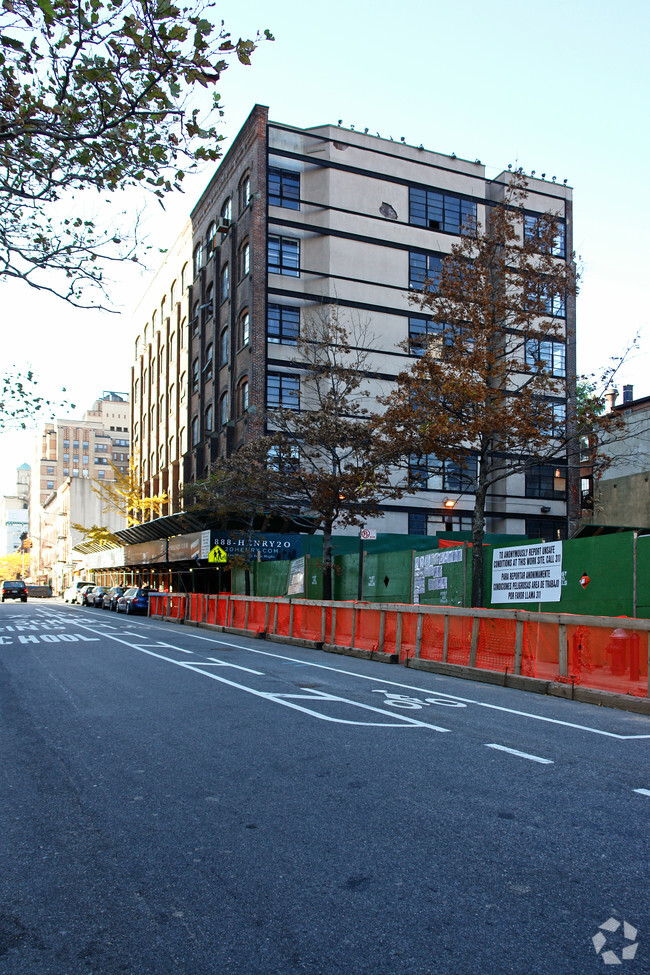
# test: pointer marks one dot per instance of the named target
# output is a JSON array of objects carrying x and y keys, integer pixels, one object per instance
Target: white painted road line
[
  {"x": 513, "y": 751},
  {"x": 643, "y": 792},
  {"x": 225, "y": 663}
]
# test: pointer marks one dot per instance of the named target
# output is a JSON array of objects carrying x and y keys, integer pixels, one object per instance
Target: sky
[{"x": 558, "y": 87}]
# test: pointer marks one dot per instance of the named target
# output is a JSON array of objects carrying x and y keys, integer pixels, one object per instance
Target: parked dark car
[
  {"x": 96, "y": 596},
  {"x": 111, "y": 597},
  {"x": 134, "y": 601},
  {"x": 14, "y": 589},
  {"x": 40, "y": 592}
]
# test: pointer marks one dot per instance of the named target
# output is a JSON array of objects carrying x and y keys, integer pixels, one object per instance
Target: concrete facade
[
  {"x": 292, "y": 220},
  {"x": 76, "y": 449},
  {"x": 74, "y": 502}
]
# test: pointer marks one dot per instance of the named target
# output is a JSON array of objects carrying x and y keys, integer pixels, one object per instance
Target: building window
[
  {"x": 85, "y": 459},
  {"x": 226, "y": 214},
  {"x": 66, "y": 443},
  {"x": 544, "y": 355},
  {"x": 536, "y": 226},
  {"x": 548, "y": 529},
  {"x": 75, "y": 472},
  {"x": 417, "y": 523},
  {"x": 207, "y": 304},
  {"x": 422, "y": 332},
  {"x": 223, "y": 347},
  {"x": 244, "y": 328},
  {"x": 244, "y": 192},
  {"x": 210, "y": 239},
  {"x": 50, "y": 485},
  {"x": 430, "y": 474},
  {"x": 546, "y": 481},
  {"x": 243, "y": 395},
  {"x": 283, "y": 391},
  {"x": 424, "y": 271},
  {"x": 207, "y": 370},
  {"x": 101, "y": 475},
  {"x": 194, "y": 324},
  {"x": 208, "y": 419},
  {"x": 224, "y": 287},
  {"x": 223, "y": 409},
  {"x": 197, "y": 262},
  {"x": 85, "y": 444},
  {"x": 66, "y": 471},
  {"x": 554, "y": 305},
  {"x": 284, "y": 256},
  {"x": 195, "y": 431},
  {"x": 284, "y": 188},
  {"x": 195, "y": 375},
  {"x": 66, "y": 458},
  {"x": 283, "y": 324},
  {"x": 75, "y": 445},
  {"x": 244, "y": 260},
  {"x": 437, "y": 210}
]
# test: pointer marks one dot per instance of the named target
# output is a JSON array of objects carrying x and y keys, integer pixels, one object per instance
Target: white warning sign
[{"x": 527, "y": 573}]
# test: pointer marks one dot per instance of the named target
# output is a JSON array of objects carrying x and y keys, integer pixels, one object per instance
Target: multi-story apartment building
[
  {"x": 77, "y": 448},
  {"x": 294, "y": 219}
]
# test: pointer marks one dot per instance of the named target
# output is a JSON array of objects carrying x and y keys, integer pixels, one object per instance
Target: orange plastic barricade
[
  {"x": 222, "y": 609},
  {"x": 343, "y": 627},
  {"x": 238, "y": 612},
  {"x": 257, "y": 616},
  {"x": 283, "y": 617},
  {"x": 307, "y": 621},
  {"x": 409, "y": 635},
  {"x": 367, "y": 629},
  {"x": 157, "y": 604},
  {"x": 496, "y": 645},
  {"x": 608, "y": 658},
  {"x": 195, "y": 610}
]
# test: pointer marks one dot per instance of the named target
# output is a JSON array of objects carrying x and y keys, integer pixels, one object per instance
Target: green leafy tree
[
  {"x": 96, "y": 95},
  {"x": 484, "y": 398},
  {"x": 123, "y": 494},
  {"x": 316, "y": 461},
  {"x": 21, "y": 403}
]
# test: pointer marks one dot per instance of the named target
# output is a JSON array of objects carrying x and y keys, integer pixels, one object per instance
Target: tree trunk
[
  {"x": 327, "y": 560},
  {"x": 478, "y": 534}
]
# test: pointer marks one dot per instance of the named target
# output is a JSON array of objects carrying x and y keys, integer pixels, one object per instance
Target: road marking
[
  {"x": 513, "y": 751},
  {"x": 643, "y": 792},
  {"x": 225, "y": 663},
  {"x": 287, "y": 700},
  {"x": 171, "y": 646},
  {"x": 411, "y": 687}
]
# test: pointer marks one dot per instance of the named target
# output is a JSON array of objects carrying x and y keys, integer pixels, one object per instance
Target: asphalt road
[{"x": 174, "y": 801}]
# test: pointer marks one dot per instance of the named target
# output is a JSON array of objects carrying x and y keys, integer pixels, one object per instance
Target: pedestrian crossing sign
[{"x": 217, "y": 555}]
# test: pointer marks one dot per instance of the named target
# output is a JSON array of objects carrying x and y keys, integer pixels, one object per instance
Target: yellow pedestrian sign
[{"x": 218, "y": 555}]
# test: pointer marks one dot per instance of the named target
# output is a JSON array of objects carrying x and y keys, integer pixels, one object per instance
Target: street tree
[
  {"x": 99, "y": 96},
  {"x": 123, "y": 495},
  {"x": 312, "y": 461},
  {"x": 21, "y": 403},
  {"x": 488, "y": 394}
]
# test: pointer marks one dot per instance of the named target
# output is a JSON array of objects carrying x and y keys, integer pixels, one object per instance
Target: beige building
[
  {"x": 72, "y": 449},
  {"x": 294, "y": 219}
]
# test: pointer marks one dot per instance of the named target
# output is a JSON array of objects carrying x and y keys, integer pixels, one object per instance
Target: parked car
[
  {"x": 96, "y": 596},
  {"x": 135, "y": 600},
  {"x": 39, "y": 591},
  {"x": 71, "y": 594},
  {"x": 111, "y": 597},
  {"x": 13, "y": 589},
  {"x": 84, "y": 594}
]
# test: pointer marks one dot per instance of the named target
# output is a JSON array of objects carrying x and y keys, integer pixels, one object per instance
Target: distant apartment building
[
  {"x": 83, "y": 449},
  {"x": 14, "y": 513},
  {"x": 293, "y": 220}
]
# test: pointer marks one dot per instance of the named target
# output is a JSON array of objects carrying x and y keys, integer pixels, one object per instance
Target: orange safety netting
[
  {"x": 608, "y": 659},
  {"x": 495, "y": 649},
  {"x": 238, "y": 612},
  {"x": 156, "y": 604},
  {"x": 342, "y": 636},
  {"x": 540, "y": 653},
  {"x": 307, "y": 621},
  {"x": 283, "y": 618},
  {"x": 433, "y": 637},
  {"x": 367, "y": 629},
  {"x": 459, "y": 642}
]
